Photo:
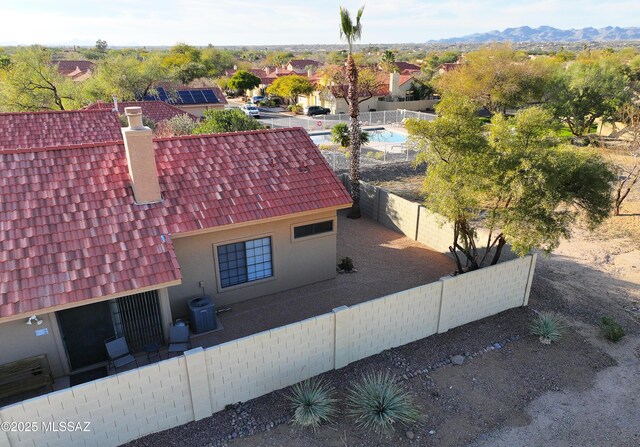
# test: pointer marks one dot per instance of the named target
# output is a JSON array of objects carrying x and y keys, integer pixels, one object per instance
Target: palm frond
[{"x": 349, "y": 31}]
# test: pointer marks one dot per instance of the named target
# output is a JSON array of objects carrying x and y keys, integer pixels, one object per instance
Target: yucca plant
[
  {"x": 548, "y": 327},
  {"x": 378, "y": 401},
  {"x": 312, "y": 402},
  {"x": 611, "y": 329}
]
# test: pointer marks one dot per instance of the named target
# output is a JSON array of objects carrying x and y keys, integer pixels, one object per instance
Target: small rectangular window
[
  {"x": 311, "y": 229},
  {"x": 243, "y": 262}
]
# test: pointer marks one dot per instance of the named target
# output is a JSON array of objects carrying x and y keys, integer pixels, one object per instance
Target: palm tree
[{"x": 351, "y": 32}]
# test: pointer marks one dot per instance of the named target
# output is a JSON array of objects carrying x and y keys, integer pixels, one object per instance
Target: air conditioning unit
[{"x": 202, "y": 314}]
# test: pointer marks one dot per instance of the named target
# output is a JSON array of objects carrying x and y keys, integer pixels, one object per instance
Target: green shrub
[
  {"x": 611, "y": 329},
  {"x": 296, "y": 108},
  {"x": 312, "y": 402},
  {"x": 548, "y": 327},
  {"x": 346, "y": 264},
  {"x": 378, "y": 401}
]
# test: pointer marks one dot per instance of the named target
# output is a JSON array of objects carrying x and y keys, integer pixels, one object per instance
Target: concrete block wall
[
  {"x": 119, "y": 408},
  {"x": 488, "y": 291},
  {"x": 395, "y": 320},
  {"x": 255, "y": 365},
  {"x": 434, "y": 231},
  {"x": 397, "y": 213}
]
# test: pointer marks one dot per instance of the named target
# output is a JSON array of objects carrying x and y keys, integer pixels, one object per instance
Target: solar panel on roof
[
  {"x": 210, "y": 97},
  {"x": 185, "y": 97},
  {"x": 162, "y": 94},
  {"x": 198, "y": 97}
]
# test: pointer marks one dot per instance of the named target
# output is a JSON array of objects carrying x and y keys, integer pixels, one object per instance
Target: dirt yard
[{"x": 511, "y": 390}]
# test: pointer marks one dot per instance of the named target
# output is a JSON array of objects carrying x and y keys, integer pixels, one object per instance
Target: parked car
[
  {"x": 250, "y": 110},
  {"x": 316, "y": 110},
  {"x": 257, "y": 99}
]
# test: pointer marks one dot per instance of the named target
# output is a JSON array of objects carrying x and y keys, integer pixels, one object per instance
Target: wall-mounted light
[{"x": 34, "y": 319}]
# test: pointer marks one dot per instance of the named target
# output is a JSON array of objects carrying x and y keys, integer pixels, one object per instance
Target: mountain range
[{"x": 548, "y": 34}]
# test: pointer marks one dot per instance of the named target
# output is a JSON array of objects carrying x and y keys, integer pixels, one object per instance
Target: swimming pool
[{"x": 380, "y": 135}]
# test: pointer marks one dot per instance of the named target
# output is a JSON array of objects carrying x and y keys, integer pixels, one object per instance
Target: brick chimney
[
  {"x": 394, "y": 84},
  {"x": 141, "y": 158}
]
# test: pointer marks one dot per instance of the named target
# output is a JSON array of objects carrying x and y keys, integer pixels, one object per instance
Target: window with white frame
[{"x": 246, "y": 261}]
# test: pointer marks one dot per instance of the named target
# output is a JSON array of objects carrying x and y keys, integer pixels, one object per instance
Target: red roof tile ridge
[
  {"x": 60, "y": 148},
  {"x": 40, "y": 112},
  {"x": 224, "y": 134}
]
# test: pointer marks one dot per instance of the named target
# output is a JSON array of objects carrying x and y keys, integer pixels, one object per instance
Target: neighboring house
[
  {"x": 406, "y": 68},
  {"x": 191, "y": 100},
  {"x": 33, "y": 130},
  {"x": 302, "y": 66},
  {"x": 113, "y": 238},
  {"x": 76, "y": 70},
  {"x": 391, "y": 94},
  {"x": 156, "y": 111}
]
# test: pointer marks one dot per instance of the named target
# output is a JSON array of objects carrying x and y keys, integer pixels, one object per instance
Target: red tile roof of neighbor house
[
  {"x": 67, "y": 67},
  {"x": 72, "y": 232},
  {"x": 157, "y": 111},
  {"x": 402, "y": 66},
  {"x": 302, "y": 64},
  {"x": 29, "y": 130}
]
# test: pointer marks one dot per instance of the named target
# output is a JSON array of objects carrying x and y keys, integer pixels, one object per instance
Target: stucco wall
[
  {"x": 19, "y": 341},
  {"x": 292, "y": 264}
]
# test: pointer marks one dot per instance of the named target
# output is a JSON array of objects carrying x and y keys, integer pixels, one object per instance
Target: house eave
[
  {"x": 175, "y": 236},
  {"x": 47, "y": 310}
]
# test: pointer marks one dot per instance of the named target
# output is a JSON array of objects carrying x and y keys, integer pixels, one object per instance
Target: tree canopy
[
  {"x": 128, "y": 76},
  {"x": 340, "y": 135},
  {"x": 243, "y": 80},
  {"x": 586, "y": 91},
  {"x": 30, "y": 81},
  {"x": 513, "y": 177},
  {"x": 290, "y": 87},
  {"x": 496, "y": 78},
  {"x": 229, "y": 120}
]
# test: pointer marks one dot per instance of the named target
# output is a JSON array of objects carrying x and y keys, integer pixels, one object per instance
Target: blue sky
[{"x": 257, "y": 22}]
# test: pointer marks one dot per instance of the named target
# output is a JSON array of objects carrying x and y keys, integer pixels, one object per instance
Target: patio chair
[
  {"x": 119, "y": 353},
  {"x": 179, "y": 339}
]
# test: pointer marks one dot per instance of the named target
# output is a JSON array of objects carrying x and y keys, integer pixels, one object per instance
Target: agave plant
[
  {"x": 312, "y": 402},
  {"x": 378, "y": 401},
  {"x": 548, "y": 327}
]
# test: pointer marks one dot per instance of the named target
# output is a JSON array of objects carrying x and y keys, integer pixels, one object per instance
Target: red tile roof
[
  {"x": 72, "y": 232},
  {"x": 67, "y": 67},
  {"x": 157, "y": 111},
  {"x": 404, "y": 78},
  {"x": 302, "y": 64},
  {"x": 30, "y": 130},
  {"x": 406, "y": 66}
]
